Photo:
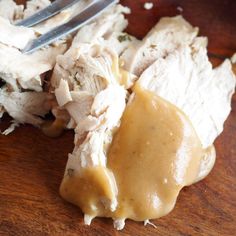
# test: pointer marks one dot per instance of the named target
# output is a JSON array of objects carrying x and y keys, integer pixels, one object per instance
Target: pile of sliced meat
[{"x": 91, "y": 81}]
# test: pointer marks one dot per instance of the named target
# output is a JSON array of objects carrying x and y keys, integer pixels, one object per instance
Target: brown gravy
[{"x": 154, "y": 154}]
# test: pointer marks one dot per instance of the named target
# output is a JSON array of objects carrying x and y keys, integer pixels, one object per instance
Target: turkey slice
[
  {"x": 109, "y": 25},
  {"x": 111, "y": 21},
  {"x": 169, "y": 34},
  {"x": 95, "y": 101},
  {"x": 26, "y": 107},
  {"x": 186, "y": 79},
  {"x": 23, "y": 71}
]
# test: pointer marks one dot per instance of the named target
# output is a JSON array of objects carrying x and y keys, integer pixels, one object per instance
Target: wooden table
[{"x": 32, "y": 165}]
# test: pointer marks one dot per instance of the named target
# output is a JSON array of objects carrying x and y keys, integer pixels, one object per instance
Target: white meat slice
[
  {"x": 85, "y": 74},
  {"x": 10, "y": 10},
  {"x": 26, "y": 107},
  {"x": 79, "y": 66},
  {"x": 25, "y": 70},
  {"x": 14, "y": 36},
  {"x": 100, "y": 31},
  {"x": 106, "y": 111},
  {"x": 96, "y": 31},
  {"x": 186, "y": 79},
  {"x": 95, "y": 100},
  {"x": 109, "y": 105},
  {"x": 96, "y": 130},
  {"x": 169, "y": 34},
  {"x": 112, "y": 20}
]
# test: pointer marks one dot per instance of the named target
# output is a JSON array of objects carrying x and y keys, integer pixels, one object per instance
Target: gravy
[{"x": 154, "y": 154}]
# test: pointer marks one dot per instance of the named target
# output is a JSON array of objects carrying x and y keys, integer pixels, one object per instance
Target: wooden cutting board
[{"x": 32, "y": 165}]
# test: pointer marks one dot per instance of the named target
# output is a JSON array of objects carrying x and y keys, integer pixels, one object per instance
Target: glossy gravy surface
[{"x": 154, "y": 154}]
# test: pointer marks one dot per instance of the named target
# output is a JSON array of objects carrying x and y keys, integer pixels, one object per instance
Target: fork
[{"x": 88, "y": 14}]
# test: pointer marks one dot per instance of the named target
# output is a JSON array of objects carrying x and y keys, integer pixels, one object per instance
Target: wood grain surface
[{"x": 32, "y": 165}]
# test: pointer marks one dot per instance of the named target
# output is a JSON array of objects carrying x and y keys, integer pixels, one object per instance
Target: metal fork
[{"x": 89, "y": 13}]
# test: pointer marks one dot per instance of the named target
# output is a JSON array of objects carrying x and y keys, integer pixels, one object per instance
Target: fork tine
[
  {"x": 46, "y": 13},
  {"x": 74, "y": 24}
]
